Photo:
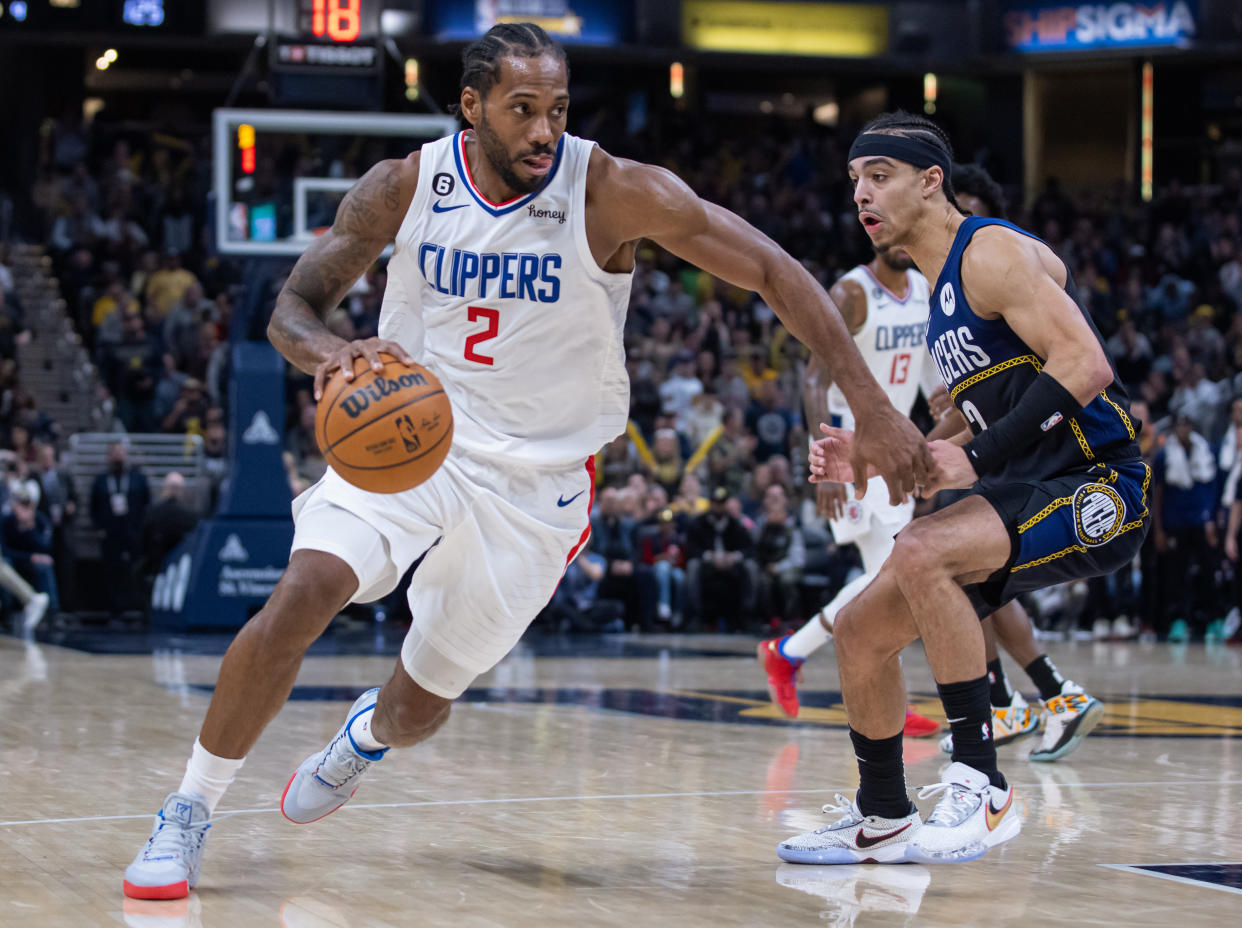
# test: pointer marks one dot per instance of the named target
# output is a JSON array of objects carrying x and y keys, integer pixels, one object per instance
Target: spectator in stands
[
  {"x": 27, "y": 541},
  {"x": 1183, "y": 505},
  {"x": 771, "y": 421},
  {"x": 1229, "y": 275},
  {"x": 182, "y": 325},
  {"x": 188, "y": 415},
  {"x": 167, "y": 286},
  {"x": 111, "y": 309},
  {"x": 1198, "y": 399},
  {"x": 58, "y": 500},
  {"x": 119, "y": 500},
  {"x": 680, "y": 388},
  {"x": 780, "y": 553},
  {"x": 215, "y": 459},
  {"x": 165, "y": 524},
  {"x": 304, "y": 447},
  {"x": 81, "y": 227},
  {"x": 1131, "y": 351},
  {"x": 613, "y": 539},
  {"x": 664, "y": 551},
  {"x": 667, "y": 462},
  {"x": 130, "y": 369},
  {"x": 719, "y": 544},
  {"x": 121, "y": 235}
]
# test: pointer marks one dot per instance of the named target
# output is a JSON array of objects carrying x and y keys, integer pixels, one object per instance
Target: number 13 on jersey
[{"x": 901, "y": 368}]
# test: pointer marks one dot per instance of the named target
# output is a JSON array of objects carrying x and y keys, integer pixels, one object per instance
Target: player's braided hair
[
  {"x": 480, "y": 60},
  {"x": 923, "y": 129},
  {"x": 975, "y": 181}
]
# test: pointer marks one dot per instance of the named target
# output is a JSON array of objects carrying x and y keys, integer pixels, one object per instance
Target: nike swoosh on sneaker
[
  {"x": 864, "y": 840},
  {"x": 993, "y": 816},
  {"x": 437, "y": 208},
  {"x": 562, "y": 502}
]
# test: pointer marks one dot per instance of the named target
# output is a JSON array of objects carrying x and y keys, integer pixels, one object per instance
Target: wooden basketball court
[{"x": 628, "y": 781}]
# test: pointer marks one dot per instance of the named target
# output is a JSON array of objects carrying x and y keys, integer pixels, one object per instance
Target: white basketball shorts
[
  {"x": 498, "y": 537},
  {"x": 870, "y": 514}
]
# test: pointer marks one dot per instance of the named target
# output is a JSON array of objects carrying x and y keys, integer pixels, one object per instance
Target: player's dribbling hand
[
  {"x": 953, "y": 470},
  {"x": 344, "y": 357},
  {"x": 831, "y": 498},
  {"x": 891, "y": 445}
]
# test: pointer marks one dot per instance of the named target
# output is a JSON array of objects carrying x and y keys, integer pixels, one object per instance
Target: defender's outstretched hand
[{"x": 830, "y": 458}]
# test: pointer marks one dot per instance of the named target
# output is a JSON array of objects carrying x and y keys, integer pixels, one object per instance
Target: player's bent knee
[
  {"x": 915, "y": 556},
  {"x": 312, "y": 590}
]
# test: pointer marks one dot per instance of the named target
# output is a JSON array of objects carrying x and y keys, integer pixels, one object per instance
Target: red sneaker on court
[
  {"x": 919, "y": 726},
  {"x": 784, "y": 675}
]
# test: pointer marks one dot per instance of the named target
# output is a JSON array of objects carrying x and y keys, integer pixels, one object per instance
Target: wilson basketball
[{"x": 384, "y": 432}]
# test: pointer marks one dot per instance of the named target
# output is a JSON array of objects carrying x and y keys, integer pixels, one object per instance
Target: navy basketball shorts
[{"x": 1076, "y": 525}]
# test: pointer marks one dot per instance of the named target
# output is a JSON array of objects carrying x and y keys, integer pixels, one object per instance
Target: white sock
[
  {"x": 805, "y": 641},
  {"x": 360, "y": 731},
  {"x": 208, "y": 776}
]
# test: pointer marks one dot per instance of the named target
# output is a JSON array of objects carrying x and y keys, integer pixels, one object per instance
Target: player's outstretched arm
[
  {"x": 368, "y": 218},
  {"x": 643, "y": 201}
]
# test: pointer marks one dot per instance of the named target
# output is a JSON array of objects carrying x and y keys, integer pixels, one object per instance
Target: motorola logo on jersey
[
  {"x": 956, "y": 354},
  {"x": 509, "y": 275},
  {"x": 889, "y": 337},
  {"x": 948, "y": 300}
]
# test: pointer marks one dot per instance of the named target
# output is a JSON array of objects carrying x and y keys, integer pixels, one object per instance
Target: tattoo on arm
[{"x": 368, "y": 218}]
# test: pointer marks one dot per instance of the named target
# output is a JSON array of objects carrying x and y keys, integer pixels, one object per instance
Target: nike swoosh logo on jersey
[
  {"x": 562, "y": 502},
  {"x": 437, "y": 208},
  {"x": 995, "y": 815},
  {"x": 864, "y": 840}
]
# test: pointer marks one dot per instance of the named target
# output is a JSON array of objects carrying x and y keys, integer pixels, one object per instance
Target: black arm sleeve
[{"x": 1044, "y": 406}]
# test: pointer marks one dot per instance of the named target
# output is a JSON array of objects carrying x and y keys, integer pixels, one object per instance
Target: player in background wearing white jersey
[
  {"x": 884, "y": 303},
  {"x": 1069, "y": 712},
  {"x": 491, "y": 227}
]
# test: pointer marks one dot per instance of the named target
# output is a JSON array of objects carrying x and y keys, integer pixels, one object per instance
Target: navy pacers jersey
[{"x": 987, "y": 368}]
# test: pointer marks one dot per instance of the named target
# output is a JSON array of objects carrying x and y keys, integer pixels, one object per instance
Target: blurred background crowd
[{"x": 703, "y": 518}]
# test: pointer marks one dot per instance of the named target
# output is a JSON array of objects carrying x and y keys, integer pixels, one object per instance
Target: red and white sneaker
[
  {"x": 919, "y": 726},
  {"x": 784, "y": 675}
]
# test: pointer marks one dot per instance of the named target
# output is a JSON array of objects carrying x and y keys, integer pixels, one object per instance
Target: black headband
[{"x": 913, "y": 151}]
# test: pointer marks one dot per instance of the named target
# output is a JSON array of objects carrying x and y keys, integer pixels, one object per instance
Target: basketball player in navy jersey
[
  {"x": 510, "y": 277},
  {"x": 1069, "y": 712},
  {"x": 1060, "y": 493}
]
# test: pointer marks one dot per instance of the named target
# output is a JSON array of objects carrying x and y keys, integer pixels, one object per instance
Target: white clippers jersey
[
  {"x": 893, "y": 344},
  {"x": 505, "y": 303}
]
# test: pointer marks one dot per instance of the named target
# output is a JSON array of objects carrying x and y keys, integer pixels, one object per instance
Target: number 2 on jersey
[
  {"x": 901, "y": 368},
  {"x": 492, "y": 316}
]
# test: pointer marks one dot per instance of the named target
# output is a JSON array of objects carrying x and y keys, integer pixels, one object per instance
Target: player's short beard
[
  {"x": 888, "y": 254},
  {"x": 498, "y": 158}
]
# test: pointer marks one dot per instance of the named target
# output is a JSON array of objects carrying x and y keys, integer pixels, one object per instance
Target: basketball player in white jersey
[
  {"x": 884, "y": 303},
  {"x": 514, "y": 246}
]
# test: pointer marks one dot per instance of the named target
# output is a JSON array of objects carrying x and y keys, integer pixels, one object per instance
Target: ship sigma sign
[{"x": 1066, "y": 27}]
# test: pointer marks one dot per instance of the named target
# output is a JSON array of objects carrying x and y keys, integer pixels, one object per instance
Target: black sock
[
  {"x": 881, "y": 777},
  {"x": 1000, "y": 694},
  {"x": 970, "y": 717},
  {"x": 1045, "y": 676}
]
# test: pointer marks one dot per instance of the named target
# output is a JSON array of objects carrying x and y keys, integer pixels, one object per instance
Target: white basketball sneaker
[
  {"x": 854, "y": 838},
  {"x": 328, "y": 779},
  {"x": 971, "y": 816},
  {"x": 168, "y": 865},
  {"x": 1009, "y": 723},
  {"x": 1068, "y": 718}
]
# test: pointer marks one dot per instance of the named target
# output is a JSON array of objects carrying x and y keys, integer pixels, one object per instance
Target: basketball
[{"x": 384, "y": 432}]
